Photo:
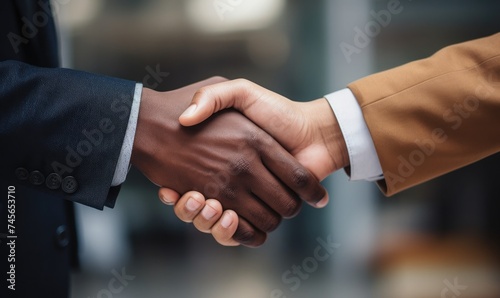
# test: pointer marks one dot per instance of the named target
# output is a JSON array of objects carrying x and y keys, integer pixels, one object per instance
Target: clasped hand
[{"x": 230, "y": 159}]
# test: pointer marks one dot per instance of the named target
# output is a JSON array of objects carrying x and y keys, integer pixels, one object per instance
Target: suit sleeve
[
  {"x": 62, "y": 130},
  {"x": 433, "y": 116}
]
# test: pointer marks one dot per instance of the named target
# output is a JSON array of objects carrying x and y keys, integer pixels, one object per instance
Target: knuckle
[
  {"x": 239, "y": 165},
  {"x": 245, "y": 87},
  {"x": 251, "y": 136},
  {"x": 242, "y": 82},
  {"x": 218, "y": 79},
  {"x": 257, "y": 139},
  {"x": 301, "y": 178},
  {"x": 202, "y": 92},
  {"x": 228, "y": 194}
]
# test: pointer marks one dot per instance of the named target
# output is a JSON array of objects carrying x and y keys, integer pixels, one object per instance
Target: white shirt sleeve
[
  {"x": 123, "y": 165},
  {"x": 363, "y": 157}
]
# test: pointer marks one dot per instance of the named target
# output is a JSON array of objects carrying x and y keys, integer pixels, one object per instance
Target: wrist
[
  {"x": 330, "y": 134},
  {"x": 138, "y": 148},
  {"x": 153, "y": 121}
]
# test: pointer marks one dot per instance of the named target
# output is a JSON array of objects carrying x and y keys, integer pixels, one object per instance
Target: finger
[
  {"x": 209, "y": 216},
  {"x": 189, "y": 206},
  {"x": 255, "y": 211},
  {"x": 276, "y": 195},
  {"x": 286, "y": 168},
  {"x": 168, "y": 196},
  {"x": 248, "y": 235},
  {"x": 211, "y": 99},
  {"x": 225, "y": 228}
]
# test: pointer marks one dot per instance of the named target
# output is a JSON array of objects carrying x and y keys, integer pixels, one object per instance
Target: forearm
[
  {"x": 435, "y": 115},
  {"x": 64, "y": 122}
]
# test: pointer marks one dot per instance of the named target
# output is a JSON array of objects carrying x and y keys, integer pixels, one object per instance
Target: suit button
[
  {"x": 69, "y": 184},
  {"x": 62, "y": 236},
  {"x": 53, "y": 181},
  {"x": 36, "y": 178},
  {"x": 22, "y": 173}
]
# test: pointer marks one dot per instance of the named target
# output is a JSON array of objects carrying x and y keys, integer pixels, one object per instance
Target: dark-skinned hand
[{"x": 227, "y": 158}]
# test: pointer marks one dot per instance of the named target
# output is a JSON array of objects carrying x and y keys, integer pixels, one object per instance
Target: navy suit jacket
[{"x": 61, "y": 133}]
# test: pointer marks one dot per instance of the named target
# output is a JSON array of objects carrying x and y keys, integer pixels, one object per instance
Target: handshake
[{"x": 253, "y": 154}]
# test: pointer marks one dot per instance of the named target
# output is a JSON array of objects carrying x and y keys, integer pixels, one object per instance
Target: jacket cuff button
[
  {"x": 22, "y": 174},
  {"x": 53, "y": 181},
  {"x": 36, "y": 178},
  {"x": 69, "y": 185}
]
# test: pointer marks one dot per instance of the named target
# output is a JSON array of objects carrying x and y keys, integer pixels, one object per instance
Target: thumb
[
  {"x": 212, "y": 99},
  {"x": 198, "y": 111}
]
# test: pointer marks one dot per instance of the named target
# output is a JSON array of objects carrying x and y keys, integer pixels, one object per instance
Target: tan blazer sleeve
[{"x": 435, "y": 115}]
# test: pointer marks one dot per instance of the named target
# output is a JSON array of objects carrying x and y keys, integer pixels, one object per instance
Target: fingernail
[
  {"x": 227, "y": 220},
  {"x": 166, "y": 201},
  {"x": 192, "y": 205},
  {"x": 208, "y": 212},
  {"x": 189, "y": 111},
  {"x": 322, "y": 203}
]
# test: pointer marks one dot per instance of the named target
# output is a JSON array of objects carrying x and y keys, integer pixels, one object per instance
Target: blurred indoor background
[{"x": 440, "y": 239}]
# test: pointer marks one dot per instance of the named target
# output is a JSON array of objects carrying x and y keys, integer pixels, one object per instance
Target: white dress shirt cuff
[
  {"x": 123, "y": 165},
  {"x": 363, "y": 157}
]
